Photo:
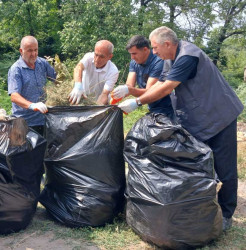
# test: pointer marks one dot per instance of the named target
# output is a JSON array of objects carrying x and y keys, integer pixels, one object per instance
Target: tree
[
  {"x": 190, "y": 19},
  {"x": 233, "y": 61},
  {"x": 30, "y": 17},
  {"x": 231, "y": 22},
  {"x": 86, "y": 22}
]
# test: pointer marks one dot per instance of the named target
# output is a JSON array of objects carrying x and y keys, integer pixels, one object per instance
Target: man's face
[
  {"x": 139, "y": 55},
  {"x": 160, "y": 50},
  {"x": 29, "y": 53},
  {"x": 101, "y": 56}
]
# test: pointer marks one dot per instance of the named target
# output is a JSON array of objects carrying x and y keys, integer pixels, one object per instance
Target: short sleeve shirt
[
  {"x": 184, "y": 69},
  {"x": 30, "y": 84},
  {"x": 94, "y": 79},
  {"x": 151, "y": 68}
]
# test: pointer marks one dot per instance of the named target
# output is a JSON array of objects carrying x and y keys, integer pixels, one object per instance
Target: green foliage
[
  {"x": 234, "y": 61},
  {"x": 230, "y": 22},
  {"x": 38, "y": 18},
  {"x": 232, "y": 78},
  {"x": 95, "y": 20},
  {"x": 5, "y": 63},
  {"x": 241, "y": 92},
  {"x": 5, "y": 102},
  {"x": 130, "y": 119}
]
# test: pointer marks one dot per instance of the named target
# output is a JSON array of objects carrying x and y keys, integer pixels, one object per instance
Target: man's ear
[
  {"x": 168, "y": 43},
  {"x": 110, "y": 56},
  {"x": 21, "y": 51}
]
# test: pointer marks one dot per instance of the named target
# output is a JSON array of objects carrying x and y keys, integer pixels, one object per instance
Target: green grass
[
  {"x": 130, "y": 119},
  {"x": 117, "y": 235}
]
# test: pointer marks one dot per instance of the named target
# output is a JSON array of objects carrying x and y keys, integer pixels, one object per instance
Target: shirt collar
[
  {"x": 24, "y": 65},
  {"x": 177, "y": 51},
  {"x": 148, "y": 59}
]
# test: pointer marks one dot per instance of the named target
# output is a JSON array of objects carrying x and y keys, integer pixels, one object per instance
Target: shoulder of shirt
[
  {"x": 133, "y": 62},
  {"x": 41, "y": 60},
  {"x": 157, "y": 58},
  {"x": 17, "y": 64},
  {"x": 88, "y": 55},
  {"x": 113, "y": 66}
]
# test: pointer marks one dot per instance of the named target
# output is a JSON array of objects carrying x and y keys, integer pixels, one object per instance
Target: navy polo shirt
[{"x": 151, "y": 68}]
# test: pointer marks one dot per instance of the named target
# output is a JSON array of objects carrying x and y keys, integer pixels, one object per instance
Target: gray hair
[
  {"x": 163, "y": 34},
  {"x": 27, "y": 39},
  {"x": 106, "y": 44}
]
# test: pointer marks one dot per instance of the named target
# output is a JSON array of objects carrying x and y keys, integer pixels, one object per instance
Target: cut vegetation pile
[{"x": 58, "y": 89}]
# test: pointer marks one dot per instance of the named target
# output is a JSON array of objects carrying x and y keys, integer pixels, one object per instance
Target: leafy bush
[
  {"x": 241, "y": 92},
  {"x": 5, "y": 63},
  {"x": 5, "y": 102},
  {"x": 233, "y": 79}
]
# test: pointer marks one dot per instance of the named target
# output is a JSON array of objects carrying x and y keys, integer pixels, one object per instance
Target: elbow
[
  {"x": 12, "y": 97},
  {"x": 169, "y": 91}
]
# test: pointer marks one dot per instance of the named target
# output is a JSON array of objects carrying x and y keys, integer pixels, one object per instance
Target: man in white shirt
[{"x": 95, "y": 74}]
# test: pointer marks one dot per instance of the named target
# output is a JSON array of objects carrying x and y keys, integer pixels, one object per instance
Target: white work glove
[
  {"x": 3, "y": 112},
  {"x": 76, "y": 93},
  {"x": 128, "y": 105},
  {"x": 120, "y": 92},
  {"x": 38, "y": 106}
]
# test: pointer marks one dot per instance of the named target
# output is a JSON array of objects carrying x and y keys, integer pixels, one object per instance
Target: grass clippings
[{"x": 57, "y": 90}]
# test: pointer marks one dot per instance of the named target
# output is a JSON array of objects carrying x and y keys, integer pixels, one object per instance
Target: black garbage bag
[
  {"x": 171, "y": 188},
  {"x": 85, "y": 167},
  {"x": 21, "y": 168}
]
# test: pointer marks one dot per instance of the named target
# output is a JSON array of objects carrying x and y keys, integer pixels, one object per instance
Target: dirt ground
[{"x": 47, "y": 241}]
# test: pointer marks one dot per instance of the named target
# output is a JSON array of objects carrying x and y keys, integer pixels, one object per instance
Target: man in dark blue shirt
[{"x": 145, "y": 69}]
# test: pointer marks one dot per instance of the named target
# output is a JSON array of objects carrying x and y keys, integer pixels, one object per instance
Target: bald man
[
  {"x": 95, "y": 74},
  {"x": 27, "y": 78}
]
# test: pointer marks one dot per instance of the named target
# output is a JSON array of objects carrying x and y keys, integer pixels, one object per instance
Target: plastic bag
[
  {"x": 171, "y": 188},
  {"x": 85, "y": 167},
  {"x": 21, "y": 169}
]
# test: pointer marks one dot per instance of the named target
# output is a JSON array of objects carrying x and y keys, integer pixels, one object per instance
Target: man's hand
[
  {"x": 128, "y": 105},
  {"x": 76, "y": 93},
  {"x": 38, "y": 106},
  {"x": 120, "y": 92}
]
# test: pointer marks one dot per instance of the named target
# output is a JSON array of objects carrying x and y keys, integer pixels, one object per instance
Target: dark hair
[{"x": 138, "y": 41}]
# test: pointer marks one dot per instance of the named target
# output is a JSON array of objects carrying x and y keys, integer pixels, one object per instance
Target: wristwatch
[{"x": 138, "y": 102}]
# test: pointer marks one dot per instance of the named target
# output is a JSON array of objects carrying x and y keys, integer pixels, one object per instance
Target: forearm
[
  {"x": 78, "y": 72},
  {"x": 158, "y": 91},
  {"x": 103, "y": 98},
  {"x": 135, "y": 91},
  {"x": 20, "y": 100}
]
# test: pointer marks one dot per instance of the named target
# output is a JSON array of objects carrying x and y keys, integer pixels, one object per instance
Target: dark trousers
[{"x": 224, "y": 147}]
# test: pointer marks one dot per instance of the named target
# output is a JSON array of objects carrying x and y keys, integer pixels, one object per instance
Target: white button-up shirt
[{"x": 95, "y": 80}]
